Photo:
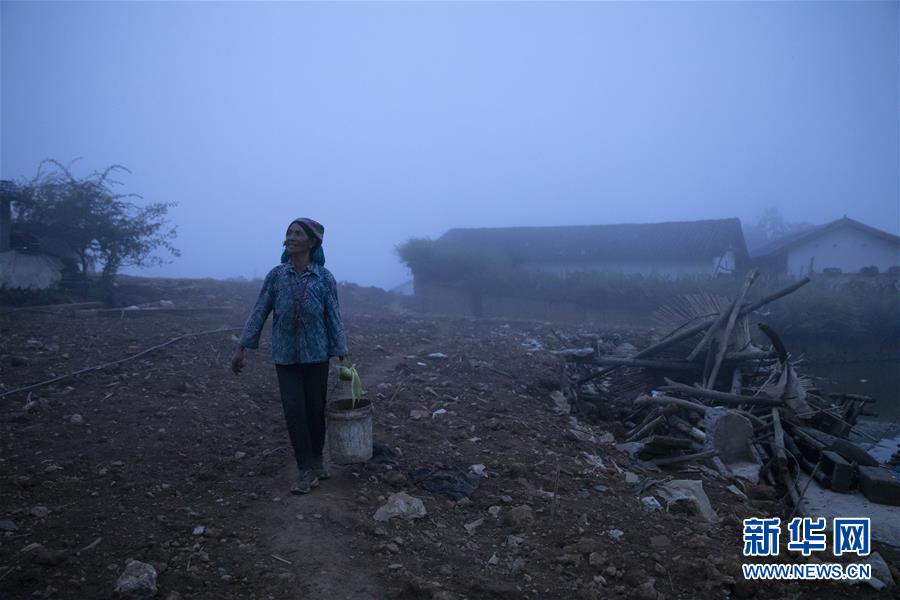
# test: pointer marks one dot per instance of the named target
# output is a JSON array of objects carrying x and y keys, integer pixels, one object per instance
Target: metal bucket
[{"x": 350, "y": 431}]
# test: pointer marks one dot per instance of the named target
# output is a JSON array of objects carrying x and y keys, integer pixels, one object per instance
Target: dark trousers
[{"x": 303, "y": 390}]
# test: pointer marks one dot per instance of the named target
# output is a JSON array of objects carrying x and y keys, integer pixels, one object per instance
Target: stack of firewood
[{"x": 729, "y": 401}]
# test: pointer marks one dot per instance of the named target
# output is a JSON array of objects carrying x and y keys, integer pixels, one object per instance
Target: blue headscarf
[{"x": 315, "y": 232}]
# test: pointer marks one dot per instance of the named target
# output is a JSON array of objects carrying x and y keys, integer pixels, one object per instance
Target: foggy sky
[{"x": 389, "y": 121}]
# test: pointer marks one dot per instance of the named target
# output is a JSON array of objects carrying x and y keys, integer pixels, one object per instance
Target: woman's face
[{"x": 296, "y": 241}]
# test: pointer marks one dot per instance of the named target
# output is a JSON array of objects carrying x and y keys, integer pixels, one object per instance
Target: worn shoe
[
  {"x": 319, "y": 471},
  {"x": 306, "y": 481}
]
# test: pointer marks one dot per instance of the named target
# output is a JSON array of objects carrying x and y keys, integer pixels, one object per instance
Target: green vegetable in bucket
[{"x": 349, "y": 373}]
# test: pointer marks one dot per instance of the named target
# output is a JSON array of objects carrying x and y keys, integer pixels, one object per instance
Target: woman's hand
[
  {"x": 237, "y": 360},
  {"x": 344, "y": 372}
]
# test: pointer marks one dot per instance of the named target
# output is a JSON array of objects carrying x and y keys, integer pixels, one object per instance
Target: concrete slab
[{"x": 822, "y": 502}]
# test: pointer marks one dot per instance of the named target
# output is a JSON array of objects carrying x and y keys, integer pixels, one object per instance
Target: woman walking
[{"x": 307, "y": 330}]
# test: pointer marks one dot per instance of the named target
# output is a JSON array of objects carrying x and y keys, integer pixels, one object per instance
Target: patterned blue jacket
[{"x": 306, "y": 322}]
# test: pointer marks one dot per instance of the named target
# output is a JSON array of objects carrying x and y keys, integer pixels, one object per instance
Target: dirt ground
[{"x": 129, "y": 462}]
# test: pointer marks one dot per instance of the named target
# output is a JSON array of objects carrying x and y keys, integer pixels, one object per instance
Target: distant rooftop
[{"x": 691, "y": 240}]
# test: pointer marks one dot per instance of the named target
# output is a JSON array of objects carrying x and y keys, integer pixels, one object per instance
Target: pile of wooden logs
[{"x": 741, "y": 407}]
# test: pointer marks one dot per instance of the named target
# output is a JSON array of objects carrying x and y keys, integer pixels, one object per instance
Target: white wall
[
  {"x": 846, "y": 248},
  {"x": 725, "y": 264},
  {"x": 35, "y": 271}
]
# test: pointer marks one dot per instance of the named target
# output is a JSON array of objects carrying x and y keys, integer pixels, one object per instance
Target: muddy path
[{"x": 317, "y": 537}]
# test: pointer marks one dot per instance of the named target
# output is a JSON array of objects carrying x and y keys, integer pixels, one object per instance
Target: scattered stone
[
  {"x": 40, "y": 512},
  {"x": 395, "y": 567},
  {"x": 650, "y": 503},
  {"x": 33, "y": 547},
  {"x": 137, "y": 581},
  {"x": 687, "y": 495},
  {"x": 584, "y": 545},
  {"x": 615, "y": 534},
  {"x": 417, "y": 414},
  {"x": 199, "y": 530},
  {"x": 493, "y": 560},
  {"x": 494, "y": 511},
  {"x": 472, "y": 526},
  {"x": 392, "y": 548},
  {"x": 239, "y": 455},
  {"x": 478, "y": 469},
  {"x": 631, "y": 478},
  {"x": 401, "y": 505},
  {"x": 517, "y": 566},
  {"x": 394, "y": 477},
  {"x": 437, "y": 355},
  {"x": 519, "y": 517},
  {"x": 7, "y": 525},
  {"x": 568, "y": 559},
  {"x": 76, "y": 419}
]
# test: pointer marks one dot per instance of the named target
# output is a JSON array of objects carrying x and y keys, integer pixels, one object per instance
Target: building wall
[
  {"x": 29, "y": 271},
  {"x": 846, "y": 248},
  {"x": 5, "y": 224},
  {"x": 660, "y": 268}
]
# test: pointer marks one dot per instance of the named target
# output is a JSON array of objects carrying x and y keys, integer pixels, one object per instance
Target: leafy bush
[{"x": 94, "y": 223}]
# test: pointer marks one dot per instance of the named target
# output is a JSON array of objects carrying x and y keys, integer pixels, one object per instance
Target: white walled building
[{"x": 843, "y": 246}]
